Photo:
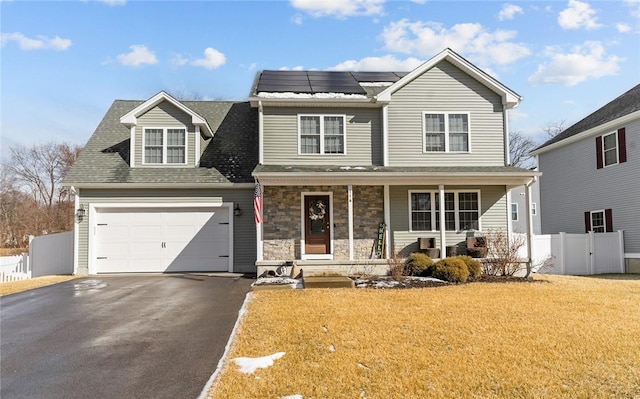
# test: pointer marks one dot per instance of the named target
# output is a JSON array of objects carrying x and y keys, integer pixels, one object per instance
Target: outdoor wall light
[
  {"x": 80, "y": 212},
  {"x": 237, "y": 211}
]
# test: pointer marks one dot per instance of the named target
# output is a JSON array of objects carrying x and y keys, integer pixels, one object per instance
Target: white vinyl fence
[
  {"x": 14, "y": 268},
  {"x": 578, "y": 254},
  {"x": 51, "y": 254}
]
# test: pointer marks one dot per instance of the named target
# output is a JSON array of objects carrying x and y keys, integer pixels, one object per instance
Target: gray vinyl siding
[
  {"x": 571, "y": 184},
  {"x": 363, "y": 137},
  {"x": 244, "y": 230},
  {"x": 445, "y": 88},
  {"x": 517, "y": 197},
  {"x": 164, "y": 115},
  {"x": 493, "y": 215}
]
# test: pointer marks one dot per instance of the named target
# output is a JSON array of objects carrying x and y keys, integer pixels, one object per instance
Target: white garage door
[{"x": 162, "y": 240}]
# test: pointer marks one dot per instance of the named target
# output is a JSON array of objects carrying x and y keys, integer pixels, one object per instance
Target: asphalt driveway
[{"x": 117, "y": 336}]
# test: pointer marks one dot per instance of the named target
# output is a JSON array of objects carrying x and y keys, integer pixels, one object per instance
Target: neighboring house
[
  {"x": 518, "y": 211},
  {"x": 591, "y": 171},
  {"x": 352, "y": 167}
]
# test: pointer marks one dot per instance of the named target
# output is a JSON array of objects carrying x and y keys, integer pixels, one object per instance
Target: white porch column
[
  {"x": 443, "y": 230},
  {"x": 385, "y": 135},
  {"x": 527, "y": 205},
  {"x": 350, "y": 201},
  {"x": 259, "y": 239},
  {"x": 76, "y": 229},
  {"x": 387, "y": 221}
]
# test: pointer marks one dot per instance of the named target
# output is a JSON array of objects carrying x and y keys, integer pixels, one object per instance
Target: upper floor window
[
  {"x": 462, "y": 211},
  {"x": 165, "y": 146},
  {"x": 322, "y": 134},
  {"x": 446, "y": 132},
  {"x": 611, "y": 148}
]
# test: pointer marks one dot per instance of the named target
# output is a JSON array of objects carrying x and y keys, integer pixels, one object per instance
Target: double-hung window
[
  {"x": 446, "y": 132},
  {"x": 611, "y": 148},
  {"x": 461, "y": 211},
  {"x": 165, "y": 146},
  {"x": 599, "y": 221},
  {"x": 322, "y": 134},
  {"x": 514, "y": 211}
]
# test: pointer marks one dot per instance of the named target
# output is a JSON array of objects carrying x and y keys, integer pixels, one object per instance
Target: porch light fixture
[
  {"x": 237, "y": 211},
  {"x": 80, "y": 212}
]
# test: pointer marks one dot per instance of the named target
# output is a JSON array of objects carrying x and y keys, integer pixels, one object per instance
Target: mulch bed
[{"x": 378, "y": 282}]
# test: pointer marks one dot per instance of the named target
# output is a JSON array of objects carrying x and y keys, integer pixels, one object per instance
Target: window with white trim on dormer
[
  {"x": 165, "y": 146},
  {"x": 321, "y": 134},
  {"x": 446, "y": 132}
]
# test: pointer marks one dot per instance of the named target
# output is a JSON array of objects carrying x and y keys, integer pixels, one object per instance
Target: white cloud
[
  {"x": 578, "y": 15},
  {"x": 583, "y": 62},
  {"x": 470, "y": 39},
  {"x": 212, "y": 59},
  {"x": 623, "y": 28},
  {"x": 295, "y": 68},
  {"x": 386, "y": 63},
  {"x": 634, "y": 5},
  {"x": 339, "y": 8},
  {"x": 516, "y": 114},
  {"x": 297, "y": 19},
  {"x": 509, "y": 11},
  {"x": 179, "y": 60},
  {"x": 40, "y": 43},
  {"x": 139, "y": 55}
]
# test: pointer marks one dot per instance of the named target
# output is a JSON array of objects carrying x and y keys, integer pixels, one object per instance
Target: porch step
[{"x": 327, "y": 282}]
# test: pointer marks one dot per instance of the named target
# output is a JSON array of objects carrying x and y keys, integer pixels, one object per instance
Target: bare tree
[
  {"x": 554, "y": 128},
  {"x": 32, "y": 200},
  {"x": 40, "y": 169},
  {"x": 520, "y": 147}
]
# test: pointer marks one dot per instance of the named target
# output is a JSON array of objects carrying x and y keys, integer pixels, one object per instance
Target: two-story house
[
  {"x": 348, "y": 168},
  {"x": 591, "y": 175}
]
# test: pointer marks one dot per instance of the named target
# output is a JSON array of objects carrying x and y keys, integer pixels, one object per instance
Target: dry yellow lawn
[
  {"x": 571, "y": 337},
  {"x": 36, "y": 282}
]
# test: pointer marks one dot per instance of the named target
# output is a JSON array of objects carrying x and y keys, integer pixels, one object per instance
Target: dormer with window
[{"x": 165, "y": 133}]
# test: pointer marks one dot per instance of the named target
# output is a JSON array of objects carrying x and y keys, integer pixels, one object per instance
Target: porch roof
[{"x": 287, "y": 175}]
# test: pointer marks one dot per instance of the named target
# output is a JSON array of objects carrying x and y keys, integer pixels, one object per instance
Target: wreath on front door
[{"x": 317, "y": 210}]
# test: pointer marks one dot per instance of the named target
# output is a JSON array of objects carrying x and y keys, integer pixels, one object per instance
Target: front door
[{"x": 317, "y": 225}]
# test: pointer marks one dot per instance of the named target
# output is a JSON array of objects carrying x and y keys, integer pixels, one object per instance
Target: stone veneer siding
[{"x": 282, "y": 224}]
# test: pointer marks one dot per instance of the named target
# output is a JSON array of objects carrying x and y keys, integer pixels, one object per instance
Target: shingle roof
[
  {"x": 623, "y": 105},
  {"x": 229, "y": 157}
]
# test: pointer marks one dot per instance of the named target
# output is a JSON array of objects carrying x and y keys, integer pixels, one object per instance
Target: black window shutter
[
  {"x": 599, "y": 151},
  {"x": 587, "y": 221},
  {"x": 608, "y": 215},
  {"x": 622, "y": 145}
]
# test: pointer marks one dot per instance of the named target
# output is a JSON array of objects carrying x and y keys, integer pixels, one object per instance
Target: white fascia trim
[
  {"x": 280, "y": 102},
  {"x": 196, "y": 143},
  {"x": 385, "y": 135},
  {"x": 632, "y": 255},
  {"x": 260, "y": 133},
  {"x": 595, "y": 131},
  {"x": 509, "y": 98},
  {"x": 107, "y": 186},
  {"x": 132, "y": 148},
  {"x": 131, "y": 118}
]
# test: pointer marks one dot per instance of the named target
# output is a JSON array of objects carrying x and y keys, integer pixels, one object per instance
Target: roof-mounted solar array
[{"x": 321, "y": 81}]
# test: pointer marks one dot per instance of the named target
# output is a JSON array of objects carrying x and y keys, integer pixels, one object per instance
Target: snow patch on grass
[{"x": 248, "y": 365}]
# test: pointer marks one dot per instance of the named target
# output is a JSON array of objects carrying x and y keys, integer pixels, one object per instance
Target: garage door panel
[{"x": 162, "y": 240}]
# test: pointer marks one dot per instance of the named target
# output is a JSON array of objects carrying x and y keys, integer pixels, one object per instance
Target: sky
[{"x": 62, "y": 63}]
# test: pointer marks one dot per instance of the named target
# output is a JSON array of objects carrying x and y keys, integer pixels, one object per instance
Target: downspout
[
  {"x": 527, "y": 196},
  {"x": 505, "y": 118},
  {"x": 76, "y": 227}
]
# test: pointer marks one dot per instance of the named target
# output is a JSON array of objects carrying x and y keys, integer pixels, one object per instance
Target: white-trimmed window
[
  {"x": 610, "y": 148},
  {"x": 534, "y": 209},
  {"x": 598, "y": 221},
  {"x": 322, "y": 134},
  {"x": 462, "y": 210},
  {"x": 165, "y": 146},
  {"x": 446, "y": 132},
  {"x": 514, "y": 211}
]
